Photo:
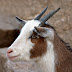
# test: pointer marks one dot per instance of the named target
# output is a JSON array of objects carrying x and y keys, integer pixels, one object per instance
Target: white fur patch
[
  {"x": 47, "y": 63},
  {"x": 22, "y": 45}
]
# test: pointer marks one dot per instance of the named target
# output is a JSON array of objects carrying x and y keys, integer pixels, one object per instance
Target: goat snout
[{"x": 9, "y": 51}]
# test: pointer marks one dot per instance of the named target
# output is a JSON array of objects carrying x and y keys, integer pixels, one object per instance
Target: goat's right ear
[
  {"x": 45, "y": 32},
  {"x": 21, "y": 21}
]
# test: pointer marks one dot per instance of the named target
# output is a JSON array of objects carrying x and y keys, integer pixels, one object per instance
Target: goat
[{"x": 39, "y": 42}]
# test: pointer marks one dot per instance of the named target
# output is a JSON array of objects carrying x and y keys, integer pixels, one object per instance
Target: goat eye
[{"x": 34, "y": 37}]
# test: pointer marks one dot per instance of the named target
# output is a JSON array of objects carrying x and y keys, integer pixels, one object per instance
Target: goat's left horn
[
  {"x": 45, "y": 18},
  {"x": 39, "y": 16},
  {"x": 21, "y": 21}
]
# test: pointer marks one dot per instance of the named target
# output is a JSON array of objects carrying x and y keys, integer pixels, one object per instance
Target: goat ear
[
  {"x": 45, "y": 32},
  {"x": 21, "y": 21}
]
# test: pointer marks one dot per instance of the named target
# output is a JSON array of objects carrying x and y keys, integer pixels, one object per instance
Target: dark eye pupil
[{"x": 34, "y": 37}]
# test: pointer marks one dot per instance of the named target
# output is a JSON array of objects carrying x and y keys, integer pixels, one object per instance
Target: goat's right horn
[
  {"x": 21, "y": 21},
  {"x": 39, "y": 16},
  {"x": 45, "y": 18}
]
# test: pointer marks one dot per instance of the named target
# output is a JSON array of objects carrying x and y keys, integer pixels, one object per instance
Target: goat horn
[
  {"x": 39, "y": 16},
  {"x": 45, "y": 18}
]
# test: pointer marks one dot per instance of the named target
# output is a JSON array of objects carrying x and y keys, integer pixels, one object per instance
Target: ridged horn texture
[
  {"x": 45, "y": 18},
  {"x": 39, "y": 16}
]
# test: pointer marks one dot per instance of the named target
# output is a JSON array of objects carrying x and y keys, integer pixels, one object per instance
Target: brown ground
[{"x": 28, "y": 9}]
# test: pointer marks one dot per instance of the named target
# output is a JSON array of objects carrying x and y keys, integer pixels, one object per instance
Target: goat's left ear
[
  {"x": 45, "y": 32},
  {"x": 21, "y": 21}
]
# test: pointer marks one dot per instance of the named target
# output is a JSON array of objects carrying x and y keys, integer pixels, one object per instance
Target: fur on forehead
[
  {"x": 28, "y": 28},
  {"x": 31, "y": 24}
]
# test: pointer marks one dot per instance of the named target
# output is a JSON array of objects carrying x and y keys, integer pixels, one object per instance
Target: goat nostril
[{"x": 10, "y": 51}]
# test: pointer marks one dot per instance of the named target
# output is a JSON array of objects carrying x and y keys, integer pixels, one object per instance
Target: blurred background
[{"x": 29, "y": 9}]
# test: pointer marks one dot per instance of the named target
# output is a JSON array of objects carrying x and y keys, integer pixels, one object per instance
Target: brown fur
[
  {"x": 7, "y": 37},
  {"x": 63, "y": 55},
  {"x": 40, "y": 47}
]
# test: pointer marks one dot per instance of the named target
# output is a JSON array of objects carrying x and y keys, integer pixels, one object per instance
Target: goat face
[
  {"x": 31, "y": 44},
  {"x": 20, "y": 49}
]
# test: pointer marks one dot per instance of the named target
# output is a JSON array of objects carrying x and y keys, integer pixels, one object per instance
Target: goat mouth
[{"x": 12, "y": 57}]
